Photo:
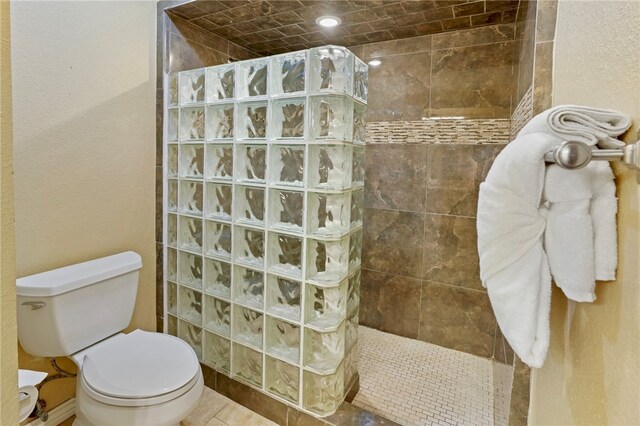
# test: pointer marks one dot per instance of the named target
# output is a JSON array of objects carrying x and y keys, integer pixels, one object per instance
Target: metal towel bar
[{"x": 574, "y": 155}]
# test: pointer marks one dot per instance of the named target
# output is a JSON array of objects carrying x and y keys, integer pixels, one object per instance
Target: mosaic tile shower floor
[{"x": 417, "y": 383}]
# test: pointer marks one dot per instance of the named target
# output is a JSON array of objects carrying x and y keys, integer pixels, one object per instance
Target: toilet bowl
[
  {"x": 139, "y": 378},
  {"x": 136, "y": 379}
]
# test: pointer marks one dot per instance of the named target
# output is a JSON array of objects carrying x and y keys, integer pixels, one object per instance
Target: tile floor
[
  {"x": 217, "y": 410},
  {"x": 417, "y": 383}
]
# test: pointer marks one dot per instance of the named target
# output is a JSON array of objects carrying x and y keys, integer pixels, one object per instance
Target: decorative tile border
[
  {"x": 523, "y": 112},
  {"x": 437, "y": 131}
]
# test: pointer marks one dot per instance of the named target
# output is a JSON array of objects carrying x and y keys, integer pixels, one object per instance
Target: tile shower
[{"x": 263, "y": 228}]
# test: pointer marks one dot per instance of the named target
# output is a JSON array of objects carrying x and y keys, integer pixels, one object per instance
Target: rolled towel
[
  {"x": 593, "y": 126},
  {"x": 513, "y": 264}
]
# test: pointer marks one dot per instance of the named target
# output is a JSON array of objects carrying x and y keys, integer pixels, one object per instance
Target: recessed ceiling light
[
  {"x": 328, "y": 21},
  {"x": 375, "y": 62}
]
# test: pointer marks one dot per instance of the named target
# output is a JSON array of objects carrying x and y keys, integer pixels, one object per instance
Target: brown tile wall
[
  {"x": 438, "y": 114},
  {"x": 535, "y": 31}
]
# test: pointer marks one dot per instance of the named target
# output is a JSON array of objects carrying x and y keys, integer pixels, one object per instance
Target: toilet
[{"x": 80, "y": 311}]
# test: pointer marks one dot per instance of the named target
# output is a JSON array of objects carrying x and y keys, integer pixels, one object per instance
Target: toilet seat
[{"x": 139, "y": 369}]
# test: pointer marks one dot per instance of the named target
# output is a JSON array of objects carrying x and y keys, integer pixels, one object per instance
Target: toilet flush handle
[{"x": 35, "y": 305}]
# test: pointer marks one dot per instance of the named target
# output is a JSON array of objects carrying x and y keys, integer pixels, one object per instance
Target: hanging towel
[
  {"x": 593, "y": 126},
  {"x": 580, "y": 238},
  {"x": 513, "y": 264},
  {"x": 576, "y": 220}
]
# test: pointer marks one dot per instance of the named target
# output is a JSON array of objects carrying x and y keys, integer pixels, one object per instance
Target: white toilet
[{"x": 79, "y": 311}]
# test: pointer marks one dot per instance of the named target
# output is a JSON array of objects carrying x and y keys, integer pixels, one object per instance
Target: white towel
[
  {"x": 580, "y": 238},
  {"x": 513, "y": 264},
  {"x": 594, "y": 126},
  {"x": 578, "y": 213}
]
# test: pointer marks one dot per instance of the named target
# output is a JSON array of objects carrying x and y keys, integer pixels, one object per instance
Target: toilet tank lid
[{"x": 72, "y": 277}]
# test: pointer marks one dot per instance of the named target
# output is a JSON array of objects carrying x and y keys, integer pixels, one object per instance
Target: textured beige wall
[
  {"x": 84, "y": 142},
  {"x": 592, "y": 373},
  {"x": 8, "y": 351}
]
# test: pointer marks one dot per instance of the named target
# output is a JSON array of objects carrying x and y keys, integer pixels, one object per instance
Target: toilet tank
[{"x": 65, "y": 310}]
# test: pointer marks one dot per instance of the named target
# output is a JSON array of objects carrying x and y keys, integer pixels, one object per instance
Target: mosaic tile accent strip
[
  {"x": 431, "y": 131},
  {"x": 262, "y": 257},
  {"x": 278, "y": 26},
  {"x": 417, "y": 383},
  {"x": 523, "y": 113}
]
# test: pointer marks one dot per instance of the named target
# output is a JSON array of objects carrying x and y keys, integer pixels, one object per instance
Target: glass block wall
[{"x": 264, "y": 173}]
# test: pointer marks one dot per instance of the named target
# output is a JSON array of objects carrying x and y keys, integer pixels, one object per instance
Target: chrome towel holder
[{"x": 575, "y": 155}]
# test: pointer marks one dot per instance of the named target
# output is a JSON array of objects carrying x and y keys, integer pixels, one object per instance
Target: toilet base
[{"x": 90, "y": 412}]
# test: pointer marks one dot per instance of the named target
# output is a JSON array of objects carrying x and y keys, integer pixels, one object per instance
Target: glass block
[
  {"x": 217, "y": 352},
  {"x": 286, "y": 210},
  {"x": 248, "y": 287},
  {"x": 285, "y": 255},
  {"x": 251, "y": 163},
  {"x": 217, "y": 315},
  {"x": 191, "y": 124},
  {"x": 283, "y": 339},
  {"x": 217, "y": 278},
  {"x": 287, "y": 119},
  {"x": 249, "y": 207},
  {"x": 172, "y": 264},
  {"x": 192, "y": 335},
  {"x": 323, "y": 394},
  {"x": 190, "y": 305},
  {"x": 172, "y": 98},
  {"x": 353, "y": 291},
  {"x": 251, "y": 120},
  {"x": 219, "y": 162},
  {"x": 286, "y": 165},
  {"x": 329, "y": 167},
  {"x": 283, "y": 297},
  {"x": 219, "y": 197},
  {"x": 323, "y": 351},
  {"x": 172, "y": 325},
  {"x": 247, "y": 364},
  {"x": 360, "y": 80},
  {"x": 328, "y": 214},
  {"x": 350, "y": 365},
  {"x": 327, "y": 261},
  {"x": 331, "y": 70},
  {"x": 247, "y": 326},
  {"x": 172, "y": 230},
  {"x": 331, "y": 117},
  {"x": 172, "y": 125},
  {"x": 191, "y": 86},
  {"x": 282, "y": 379},
  {"x": 288, "y": 73},
  {"x": 355, "y": 249},
  {"x": 191, "y": 161},
  {"x": 249, "y": 247},
  {"x": 357, "y": 208},
  {"x": 191, "y": 198},
  {"x": 172, "y": 195},
  {"x": 351, "y": 330},
  {"x": 190, "y": 237},
  {"x": 219, "y": 122},
  {"x": 219, "y": 82},
  {"x": 217, "y": 241},
  {"x": 172, "y": 298},
  {"x": 325, "y": 307},
  {"x": 172, "y": 166},
  {"x": 252, "y": 78},
  {"x": 359, "y": 123},
  {"x": 357, "y": 172},
  {"x": 190, "y": 270}
]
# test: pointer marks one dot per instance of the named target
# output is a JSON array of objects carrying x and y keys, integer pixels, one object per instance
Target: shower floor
[{"x": 417, "y": 383}]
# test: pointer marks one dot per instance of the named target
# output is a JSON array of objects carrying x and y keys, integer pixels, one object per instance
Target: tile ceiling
[{"x": 275, "y": 26}]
